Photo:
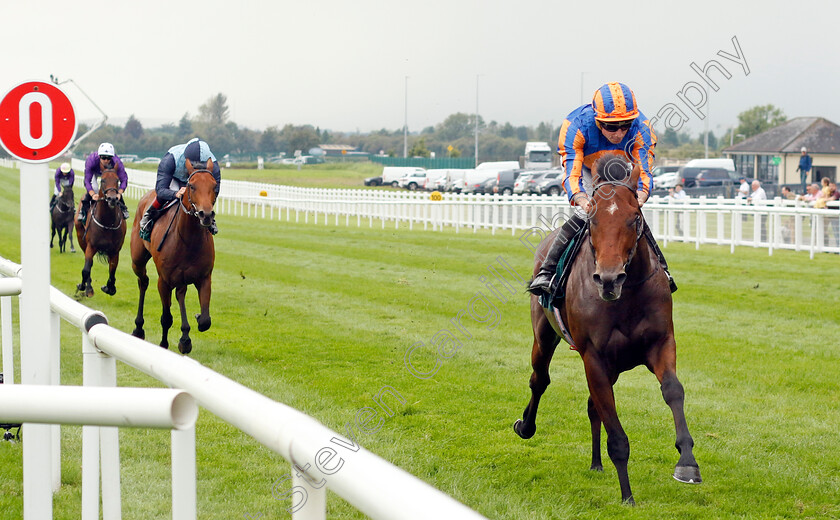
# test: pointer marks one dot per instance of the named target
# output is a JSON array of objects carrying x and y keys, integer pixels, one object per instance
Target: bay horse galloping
[
  {"x": 62, "y": 219},
  {"x": 617, "y": 311},
  {"x": 182, "y": 248},
  {"x": 103, "y": 232}
]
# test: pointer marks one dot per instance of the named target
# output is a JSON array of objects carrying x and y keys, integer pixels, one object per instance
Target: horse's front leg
[
  {"x": 595, "y": 425},
  {"x": 110, "y": 288},
  {"x": 601, "y": 393},
  {"x": 185, "y": 343},
  {"x": 85, "y": 286},
  {"x": 52, "y": 236},
  {"x": 664, "y": 365},
  {"x": 166, "y": 313},
  {"x": 203, "y": 319},
  {"x": 545, "y": 342}
]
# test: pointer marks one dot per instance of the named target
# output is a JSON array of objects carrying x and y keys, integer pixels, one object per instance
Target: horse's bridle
[
  {"x": 639, "y": 222},
  {"x": 192, "y": 210}
]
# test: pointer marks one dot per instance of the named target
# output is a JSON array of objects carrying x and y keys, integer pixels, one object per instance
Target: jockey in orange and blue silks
[{"x": 611, "y": 124}]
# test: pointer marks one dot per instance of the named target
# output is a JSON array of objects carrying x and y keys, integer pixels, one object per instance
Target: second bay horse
[
  {"x": 618, "y": 312},
  {"x": 182, "y": 248},
  {"x": 103, "y": 233}
]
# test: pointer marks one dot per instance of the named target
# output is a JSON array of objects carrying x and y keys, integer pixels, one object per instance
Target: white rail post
[
  {"x": 100, "y": 444},
  {"x": 184, "y": 499},
  {"x": 315, "y": 507},
  {"x": 34, "y": 335},
  {"x": 10, "y": 286},
  {"x": 90, "y": 438}
]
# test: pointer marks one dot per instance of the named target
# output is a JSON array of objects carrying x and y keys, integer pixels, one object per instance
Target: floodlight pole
[
  {"x": 405, "y": 123},
  {"x": 96, "y": 126},
  {"x": 476, "y": 118}
]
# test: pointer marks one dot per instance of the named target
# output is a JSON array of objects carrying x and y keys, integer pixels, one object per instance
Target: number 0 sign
[{"x": 37, "y": 122}]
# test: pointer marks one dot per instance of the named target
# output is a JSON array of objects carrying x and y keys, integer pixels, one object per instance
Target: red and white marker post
[{"x": 37, "y": 124}]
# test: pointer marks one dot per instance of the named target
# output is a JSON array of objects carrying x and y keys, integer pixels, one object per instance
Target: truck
[{"x": 537, "y": 156}]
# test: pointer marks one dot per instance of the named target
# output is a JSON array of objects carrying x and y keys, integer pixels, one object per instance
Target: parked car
[
  {"x": 553, "y": 186},
  {"x": 545, "y": 180},
  {"x": 487, "y": 186},
  {"x": 703, "y": 177},
  {"x": 475, "y": 179},
  {"x": 413, "y": 180},
  {"x": 711, "y": 172},
  {"x": 307, "y": 159},
  {"x": 529, "y": 183},
  {"x": 373, "y": 181},
  {"x": 665, "y": 176},
  {"x": 434, "y": 183},
  {"x": 505, "y": 181},
  {"x": 519, "y": 184},
  {"x": 149, "y": 160},
  {"x": 391, "y": 175},
  {"x": 128, "y": 157}
]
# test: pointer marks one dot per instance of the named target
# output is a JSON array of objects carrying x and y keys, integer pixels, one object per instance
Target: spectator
[
  {"x": 823, "y": 194},
  {"x": 757, "y": 194},
  {"x": 679, "y": 193},
  {"x": 804, "y": 167},
  {"x": 833, "y": 193},
  {"x": 756, "y": 197},
  {"x": 787, "y": 194},
  {"x": 811, "y": 192},
  {"x": 743, "y": 189}
]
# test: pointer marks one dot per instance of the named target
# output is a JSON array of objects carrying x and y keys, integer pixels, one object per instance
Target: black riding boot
[
  {"x": 53, "y": 201},
  {"x": 652, "y": 241},
  {"x": 545, "y": 281},
  {"x": 124, "y": 209},
  {"x": 147, "y": 222},
  {"x": 83, "y": 210}
]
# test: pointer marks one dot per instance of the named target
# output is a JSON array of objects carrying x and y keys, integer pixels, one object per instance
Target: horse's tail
[{"x": 102, "y": 256}]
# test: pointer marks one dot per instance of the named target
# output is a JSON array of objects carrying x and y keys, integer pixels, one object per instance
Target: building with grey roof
[{"x": 773, "y": 156}]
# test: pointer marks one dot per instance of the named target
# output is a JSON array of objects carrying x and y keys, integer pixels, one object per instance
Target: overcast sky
[{"x": 342, "y": 65}]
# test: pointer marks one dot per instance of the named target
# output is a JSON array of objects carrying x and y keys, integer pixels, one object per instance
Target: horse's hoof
[
  {"x": 517, "y": 427},
  {"x": 596, "y": 467},
  {"x": 628, "y": 501},
  {"x": 139, "y": 333},
  {"x": 89, "y": 292},
  {"x": 688, "y": 474},
  {"x": 185, "y": 348},
  {"x": 202, "y": 324},
  {"x": 72, "y": 250},
  {"x": 80, "y": 287},
  {"x": 109, "y": 290}
]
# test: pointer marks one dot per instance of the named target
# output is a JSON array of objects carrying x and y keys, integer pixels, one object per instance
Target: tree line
[{"x": 453, "y": 137}]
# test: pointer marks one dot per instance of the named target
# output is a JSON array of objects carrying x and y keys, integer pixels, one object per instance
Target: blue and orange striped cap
[{"x": 615, "y": 102}]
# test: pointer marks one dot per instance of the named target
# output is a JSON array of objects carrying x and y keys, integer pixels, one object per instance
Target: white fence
[
  {"x": 775, "y": 224},
  {"x": 371, "y": 484}
]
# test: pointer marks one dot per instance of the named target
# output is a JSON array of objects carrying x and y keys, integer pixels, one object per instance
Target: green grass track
[{"x": 320, "y": 317}]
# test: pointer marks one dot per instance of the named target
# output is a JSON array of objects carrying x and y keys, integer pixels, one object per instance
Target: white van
[
  {"x": 391, "y": 175},
  {"x": 537, "y": 156}
]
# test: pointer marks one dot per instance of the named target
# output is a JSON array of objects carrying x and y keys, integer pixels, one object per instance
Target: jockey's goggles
[{"x": 615, "y": 127}]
